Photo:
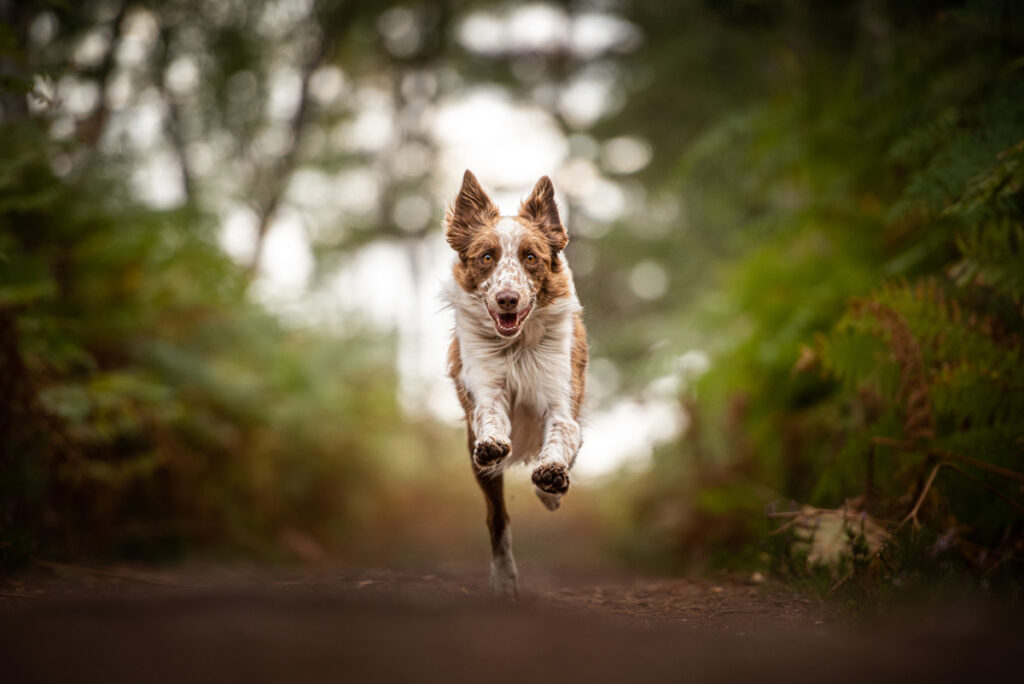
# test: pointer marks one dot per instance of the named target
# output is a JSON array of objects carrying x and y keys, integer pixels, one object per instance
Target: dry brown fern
[{"x": 918, "y": 423}]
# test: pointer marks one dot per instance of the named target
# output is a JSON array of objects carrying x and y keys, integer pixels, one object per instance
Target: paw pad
[
  {"x": 552, "y": 478},
  {"x": 488, "y": 452}
]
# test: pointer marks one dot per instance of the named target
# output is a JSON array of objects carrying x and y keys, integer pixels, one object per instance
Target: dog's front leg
[
  {"x": 562, "y": 440},
  {"x": 492, "y": 427}
]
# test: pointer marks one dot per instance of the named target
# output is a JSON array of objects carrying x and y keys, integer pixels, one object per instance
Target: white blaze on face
[{"x": 509, "y": 274}]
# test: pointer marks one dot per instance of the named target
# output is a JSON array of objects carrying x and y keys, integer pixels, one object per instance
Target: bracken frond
[{"x": 917, "y": 422}]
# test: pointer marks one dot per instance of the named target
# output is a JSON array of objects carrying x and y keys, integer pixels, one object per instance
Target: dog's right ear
[{"x": 470, "y": 210}]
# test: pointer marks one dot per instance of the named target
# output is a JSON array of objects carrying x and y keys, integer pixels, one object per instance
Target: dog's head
[{"x": 511, "y": 262}]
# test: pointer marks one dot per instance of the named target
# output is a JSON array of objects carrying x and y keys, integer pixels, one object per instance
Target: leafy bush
[
  {"x": 873, "y": 295},
  {"x": 149, "y": 407}
]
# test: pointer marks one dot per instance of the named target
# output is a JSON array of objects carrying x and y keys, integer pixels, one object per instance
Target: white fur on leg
[
  {"x": 550, "y": 501},
  {"x": 562, "y": 437},
  {"x": 490, "y": 416},
  {"x": 503, "y": 578},
  {"x": 504, "y": 582}
]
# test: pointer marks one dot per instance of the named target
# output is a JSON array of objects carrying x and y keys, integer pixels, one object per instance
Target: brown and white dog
[{"x": 519, "y": 353}]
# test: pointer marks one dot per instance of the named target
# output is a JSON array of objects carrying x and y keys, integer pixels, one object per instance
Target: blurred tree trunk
[
  {"x": 90, "y": 130},
  {"x": 334, "y": 21},
  {"x": 14, "y": 74},
  {"x": 173, "y": 120}
]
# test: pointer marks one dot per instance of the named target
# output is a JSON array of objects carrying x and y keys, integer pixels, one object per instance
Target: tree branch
[
  {"x": 173, "y": 122},
  {"x": 90, "y": 130},
  {"x": 286, "y": 164},
  {"x": 912, "y": 516},
  {"x": 950, "y": 456}
]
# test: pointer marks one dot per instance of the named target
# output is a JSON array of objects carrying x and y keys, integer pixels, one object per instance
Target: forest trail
[{"x": 339, "y": 624}]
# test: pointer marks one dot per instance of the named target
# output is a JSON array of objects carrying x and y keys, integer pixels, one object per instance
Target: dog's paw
[
  {"x": 504, "y": 583},
  {"x": 552, "y": 478},
  {"x": 489, "y": 452}
]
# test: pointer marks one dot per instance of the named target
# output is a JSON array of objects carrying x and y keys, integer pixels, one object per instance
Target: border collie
[{"x": 519, "y": 353}]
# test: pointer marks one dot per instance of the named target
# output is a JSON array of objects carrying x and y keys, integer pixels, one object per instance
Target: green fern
[{"x": 992, "y": 255}]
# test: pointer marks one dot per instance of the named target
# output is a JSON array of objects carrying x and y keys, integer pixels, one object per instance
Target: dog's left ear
[{"x": 540, "y": 208}]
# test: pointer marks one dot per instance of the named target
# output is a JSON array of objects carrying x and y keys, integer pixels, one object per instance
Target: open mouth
[{"x": 508, "y": 324}]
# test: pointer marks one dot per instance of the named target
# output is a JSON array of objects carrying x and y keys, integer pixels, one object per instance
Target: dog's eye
[
  {"x": 530, "y": 258},
  {"x": 487, "y": 258}
]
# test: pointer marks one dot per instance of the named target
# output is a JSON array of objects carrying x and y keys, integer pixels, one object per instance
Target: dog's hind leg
[{"x": 503, "y": 565}]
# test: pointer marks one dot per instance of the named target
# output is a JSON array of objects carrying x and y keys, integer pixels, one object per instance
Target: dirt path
[{"x": 214, "y": 624}]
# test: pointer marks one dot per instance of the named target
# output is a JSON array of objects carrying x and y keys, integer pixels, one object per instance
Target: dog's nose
[{"x": 508, "y": 300}]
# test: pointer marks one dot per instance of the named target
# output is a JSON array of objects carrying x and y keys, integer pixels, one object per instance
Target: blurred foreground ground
[{"x": 200, "y": 623}]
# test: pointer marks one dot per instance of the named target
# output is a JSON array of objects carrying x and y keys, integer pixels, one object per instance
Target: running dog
[{"x": 519, "y": 353}]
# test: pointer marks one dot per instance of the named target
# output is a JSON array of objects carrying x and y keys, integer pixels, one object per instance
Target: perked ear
[
  {"x": 540, "y": 208},
  {"x": 471, "y": 209}
]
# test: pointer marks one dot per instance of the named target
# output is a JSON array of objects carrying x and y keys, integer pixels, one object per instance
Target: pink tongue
[{"x": 507, "y": 320}]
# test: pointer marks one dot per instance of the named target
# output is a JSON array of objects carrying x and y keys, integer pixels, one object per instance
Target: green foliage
[
  {"x": 871, "y": 285},
  {"x": 152, "y": 407},
  {"x": 149, "y": 406},
  {"x": 834, "y": 203}
]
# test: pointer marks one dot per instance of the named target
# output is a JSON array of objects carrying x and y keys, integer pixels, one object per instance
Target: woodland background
[{"x": 822, "y": 203}]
